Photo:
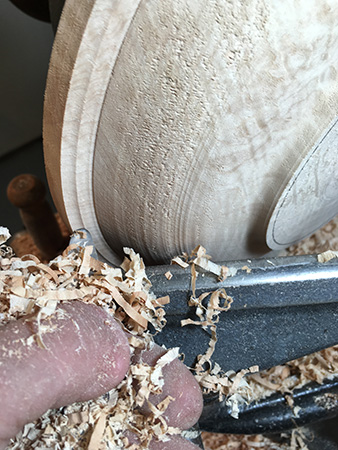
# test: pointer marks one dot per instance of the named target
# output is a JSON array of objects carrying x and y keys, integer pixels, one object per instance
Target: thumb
[{"x": 86, "y": 354}]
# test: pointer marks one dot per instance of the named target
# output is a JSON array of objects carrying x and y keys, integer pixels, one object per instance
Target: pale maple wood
[{"x": 171, "y": 124}]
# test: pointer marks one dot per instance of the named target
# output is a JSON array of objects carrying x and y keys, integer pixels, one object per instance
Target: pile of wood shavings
[
  {"x": 87, "y": 424},
  {"x": 317, "y": 366},
  {"x": 295, "y": 374},
  {"x": 216, "y": 441},
  {"x": 323, "y": 240},
  {"x": 28, "y": 286}
]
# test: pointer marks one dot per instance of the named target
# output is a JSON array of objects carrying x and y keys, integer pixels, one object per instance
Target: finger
[
  {"x": 175, "y": 443},
  {"x": 86, "y": 355},
  {"x": 179, "y": 383}
]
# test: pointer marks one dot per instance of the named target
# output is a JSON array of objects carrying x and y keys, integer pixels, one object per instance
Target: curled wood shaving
[
  {"x": 266, "y": 383},
  {"x": 142, "y": 321},
  {"x": 225, "y": 271},
  {"x": 4, "y": 235},
  {"x": 203, "y": 261},
  {"x": 199, "y": 257}
]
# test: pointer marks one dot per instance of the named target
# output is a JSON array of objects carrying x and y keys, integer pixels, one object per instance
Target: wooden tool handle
[{"x": 27, "y": 193}]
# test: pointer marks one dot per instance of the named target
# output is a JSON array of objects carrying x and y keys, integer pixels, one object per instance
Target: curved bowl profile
[{"x": 172, "y": 124}]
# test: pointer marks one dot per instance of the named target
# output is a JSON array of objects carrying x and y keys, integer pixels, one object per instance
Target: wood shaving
[
  {"x": 177, "y": 260},
  {"x": 225, "y": 271},
  {"x": 199, "y": 257},
  {"x": 161, "y": 301},
  {"x": 327, "y": 256},
  {"x": 168, "y": 275},
  {"x": 4, "y": 235}
]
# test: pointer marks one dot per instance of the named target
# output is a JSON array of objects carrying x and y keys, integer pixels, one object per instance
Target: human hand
[{"x": 86, "y": 355}]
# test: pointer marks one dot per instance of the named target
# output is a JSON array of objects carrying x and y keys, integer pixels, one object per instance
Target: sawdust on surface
[
  {"x": 29, "y": 286},
  {"x": 295, "y": 374}
]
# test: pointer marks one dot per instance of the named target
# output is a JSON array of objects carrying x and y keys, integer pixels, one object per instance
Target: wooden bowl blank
[{"x": 169, "y": 124}]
